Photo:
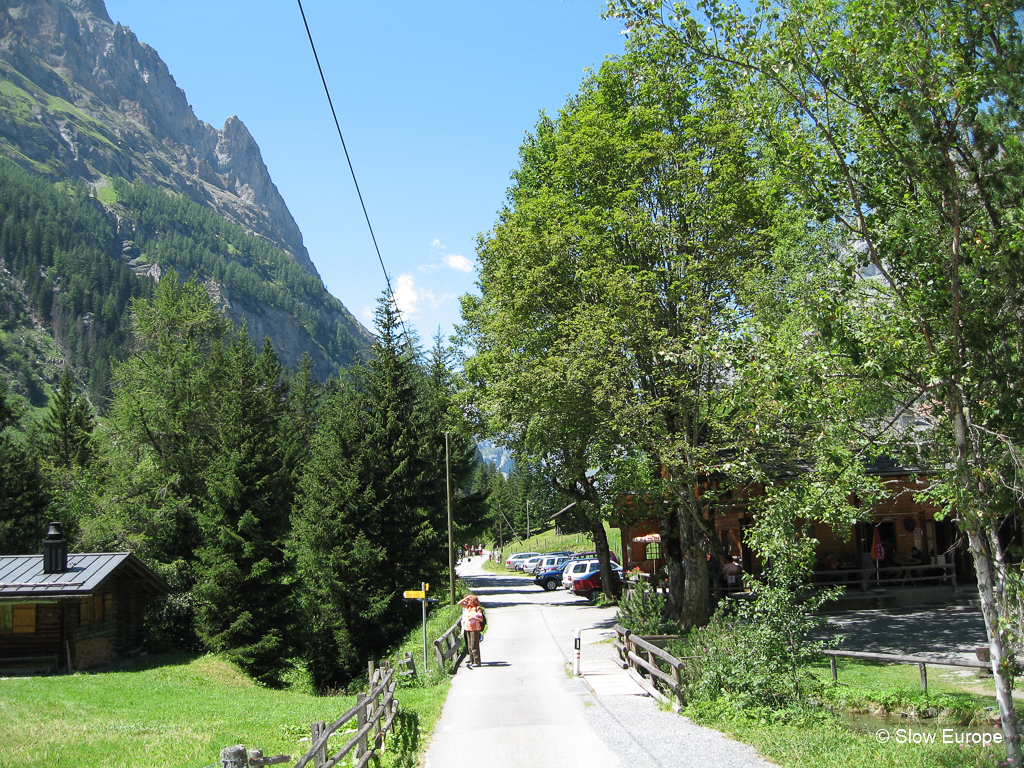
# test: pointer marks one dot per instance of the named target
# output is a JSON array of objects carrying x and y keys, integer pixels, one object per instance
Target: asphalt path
[{"x": 524, "y": 707}]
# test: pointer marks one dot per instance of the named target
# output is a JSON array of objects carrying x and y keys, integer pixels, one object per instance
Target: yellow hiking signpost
[{"x": 421, "y": 595}]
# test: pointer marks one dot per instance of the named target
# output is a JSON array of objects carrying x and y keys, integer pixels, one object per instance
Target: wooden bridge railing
[
  {"x": 447, "y": 645},
  {"x": 630, "y": 648}
]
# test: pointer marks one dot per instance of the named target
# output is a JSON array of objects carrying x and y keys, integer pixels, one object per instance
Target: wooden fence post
[
  {"x": 924, "y": 677},
  {"x": 234, "y": 757},
  {"x": 320, "y": 757},
  {"x": 360, "y": 748}
]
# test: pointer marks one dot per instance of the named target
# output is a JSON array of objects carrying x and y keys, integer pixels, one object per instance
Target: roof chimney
[{"x": 55, "y": 550}]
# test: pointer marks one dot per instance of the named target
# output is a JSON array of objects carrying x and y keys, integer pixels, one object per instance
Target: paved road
[{"x": 523, "y": 707}]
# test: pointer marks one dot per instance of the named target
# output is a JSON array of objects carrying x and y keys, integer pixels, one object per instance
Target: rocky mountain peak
[{"x": 117, "y": 100}]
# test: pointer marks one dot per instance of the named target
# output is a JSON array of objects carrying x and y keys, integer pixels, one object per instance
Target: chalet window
[
  {"x": 653, "y": 551},
  {"x": 17, "y": 619},
  {"x": 92, "y": 608}
]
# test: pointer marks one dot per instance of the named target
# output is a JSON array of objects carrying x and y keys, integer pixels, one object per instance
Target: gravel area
[
  {"x": 949, "y": 633},
  {"x": 643, "y": 734}
]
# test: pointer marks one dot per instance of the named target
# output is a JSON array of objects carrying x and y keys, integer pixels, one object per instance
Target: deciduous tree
[{"x": 898, "y": 126}]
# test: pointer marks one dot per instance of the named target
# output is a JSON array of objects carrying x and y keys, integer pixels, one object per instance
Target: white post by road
[{"x": 576, "y": 644}]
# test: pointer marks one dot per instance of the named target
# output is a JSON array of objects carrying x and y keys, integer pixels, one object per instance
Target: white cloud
[
  {"x": 458, "y": 261},
  {"x": 409, "y": 297},
  {"x": 451, "y": 260}
]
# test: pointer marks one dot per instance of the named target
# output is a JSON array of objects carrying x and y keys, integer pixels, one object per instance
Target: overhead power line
[{"x": 341, "y": 136}]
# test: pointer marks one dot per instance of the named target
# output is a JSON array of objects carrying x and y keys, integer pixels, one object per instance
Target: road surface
[{"x": 523, "y": 707}]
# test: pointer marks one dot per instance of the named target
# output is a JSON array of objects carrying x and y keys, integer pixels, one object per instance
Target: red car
[{"x": 589, "y": 585}]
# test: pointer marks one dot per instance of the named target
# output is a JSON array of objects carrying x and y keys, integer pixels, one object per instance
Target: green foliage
[
  {"x": 243, "y": 589},
  {"x": 23, "y": 496},
  {"x": 753, "y": 654},
  {"x": 642, "y": 611},
  {"x": 370, "y": 521},
  {"x": 897, "y": 129},
  {"x": 67, "y": 427},
  {"x": 164, "y": 415}
]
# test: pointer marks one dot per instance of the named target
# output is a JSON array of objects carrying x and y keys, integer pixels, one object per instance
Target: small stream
[{"x": 911, "y": 730}]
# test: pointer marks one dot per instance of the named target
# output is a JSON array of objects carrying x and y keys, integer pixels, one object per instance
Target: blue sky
[{"x": 434, "y": 99}]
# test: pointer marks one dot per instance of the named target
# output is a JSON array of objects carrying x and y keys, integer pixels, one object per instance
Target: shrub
[{"x": 642, "y": 611}]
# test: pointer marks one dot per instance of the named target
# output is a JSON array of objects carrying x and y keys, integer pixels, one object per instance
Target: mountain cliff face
[{"x": 82, "y": 98}]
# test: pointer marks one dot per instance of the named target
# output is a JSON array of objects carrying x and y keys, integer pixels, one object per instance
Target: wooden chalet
[
  {"x": 905, "y": 525},
  {"x": 71, "y": 611}
]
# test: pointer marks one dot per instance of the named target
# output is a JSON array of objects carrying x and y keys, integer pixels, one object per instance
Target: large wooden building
[
  {"x": 904, "y": 523},
  {"x": 72, "y": 611}
]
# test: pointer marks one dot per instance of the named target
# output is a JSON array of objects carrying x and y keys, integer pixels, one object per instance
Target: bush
[
  {"x": 642, "y": 611},
  {"x": 756, "y": 652}
]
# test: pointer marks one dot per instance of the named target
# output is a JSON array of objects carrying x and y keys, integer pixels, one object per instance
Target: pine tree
[
  {"x": 243, "y": 584},
  {"x": 367, "y": 523},
  {"x": 67, "y": 427},
  {"x": 23, "y": 497}
]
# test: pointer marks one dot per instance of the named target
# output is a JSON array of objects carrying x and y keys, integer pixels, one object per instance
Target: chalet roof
[{"x": 21, "y": 576}]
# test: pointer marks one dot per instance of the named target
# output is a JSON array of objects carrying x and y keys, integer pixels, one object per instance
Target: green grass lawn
[
  {"x": 179, "y": 711},
  {"x": 170, "y": 710},
  {"x": 871, "y": 697}
]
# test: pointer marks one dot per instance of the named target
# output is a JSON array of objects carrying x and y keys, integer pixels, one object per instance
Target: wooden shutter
[{"x": 25, "y": 618}]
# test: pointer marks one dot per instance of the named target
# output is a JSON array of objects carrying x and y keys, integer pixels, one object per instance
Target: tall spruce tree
[
  {"x": 366, "y": 525},
  {"x": 243, "y": 592},
  {"x": 67, "y": 427}
]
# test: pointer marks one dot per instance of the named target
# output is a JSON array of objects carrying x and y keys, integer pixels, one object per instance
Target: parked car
[
  {"x": 550, "y": 578},
  {"x": 575, "y": 569},
  {"x": 510, "y": 563},
  {"x": 592, "y": 555},
  {"x": 547, "y": 561},
  {"x": 527, "y": 565},
  {"x": 562, "y": 553},
  {"x": 589, "y": 585}
]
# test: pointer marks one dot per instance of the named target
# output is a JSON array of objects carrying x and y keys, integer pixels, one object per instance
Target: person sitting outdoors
[
  {"x": 830, "y": 565},
  {"x": 733, "y": 572}
]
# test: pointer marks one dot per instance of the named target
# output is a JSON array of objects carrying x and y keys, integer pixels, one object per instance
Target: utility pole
[
  {"x": 527, "y": 518},
  {"x": 451, "y": 541}
]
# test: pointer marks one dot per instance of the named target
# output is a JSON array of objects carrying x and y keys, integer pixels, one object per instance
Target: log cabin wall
[{"x": 44, "y": 637}]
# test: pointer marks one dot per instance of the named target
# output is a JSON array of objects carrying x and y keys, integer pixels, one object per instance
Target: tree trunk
[
  {"x": 984, "y": 565},
  {"x": 603, "y": 558},
  {"x": 672, "y": 551},
  {"x": 696, "y": 603}
]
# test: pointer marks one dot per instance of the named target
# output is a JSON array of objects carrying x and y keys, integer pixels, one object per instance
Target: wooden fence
[
  {"x": 889, "y": 576},
  {"x": 651, "y": 663},
  {"x": 646, "y": 658},
  {"x": 921, "y": 661},
  {"x": 377, "y": 705},
  {"x": 447, "y": 645}
]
